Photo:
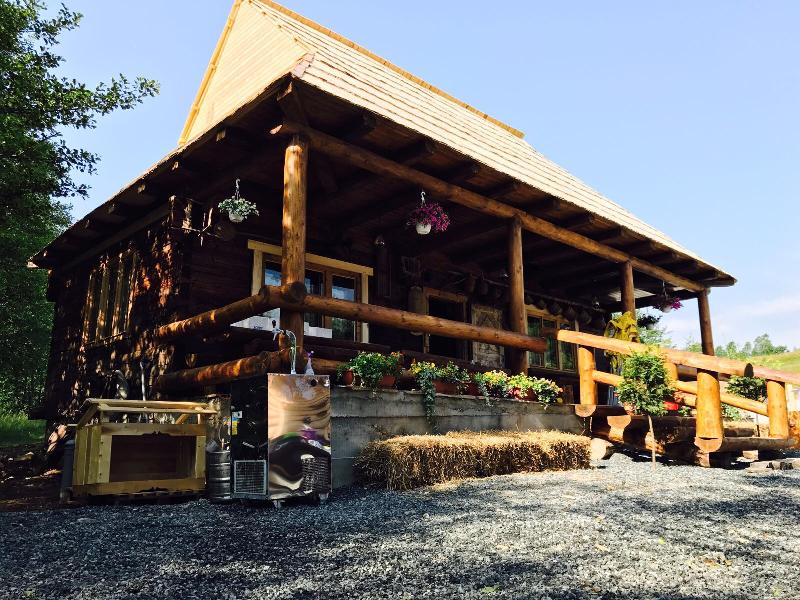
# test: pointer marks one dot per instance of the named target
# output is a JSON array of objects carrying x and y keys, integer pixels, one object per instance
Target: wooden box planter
[{"x": 132, "y": 458}]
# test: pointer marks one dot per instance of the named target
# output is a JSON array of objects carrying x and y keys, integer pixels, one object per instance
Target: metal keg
[{"x": 218, "y": 475}]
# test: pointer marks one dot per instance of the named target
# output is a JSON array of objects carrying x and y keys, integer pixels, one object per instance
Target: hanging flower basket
[
  {"x": 429, "y": 216},
  {"x": 668, "y": 302},
  {"x": 238, "y": 208}
]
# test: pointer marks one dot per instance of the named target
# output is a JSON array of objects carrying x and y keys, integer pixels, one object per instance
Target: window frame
[
  {"x": 103, "y": 325},
  {"x": 543, "y": 315},
  {"x": 329, "y": 267}
]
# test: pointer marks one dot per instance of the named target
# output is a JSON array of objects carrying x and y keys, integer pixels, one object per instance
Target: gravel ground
[{"x": 620, "y": 531}]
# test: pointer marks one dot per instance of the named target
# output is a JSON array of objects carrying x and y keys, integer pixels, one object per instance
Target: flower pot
[
  {"x": 445, "y": 387},
  {"x": 423, "y": 228},
  {"x": 671, "y": 406},
  {"x": 347, "y": 378},
  {"x": 235, "y": 217},
  {"x": 387, "y": 381},
  {"x": 472, "y": 389}
]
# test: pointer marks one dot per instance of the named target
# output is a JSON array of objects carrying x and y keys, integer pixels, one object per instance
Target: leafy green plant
[
  {"x": 753, "y": 388},
  {"x": 371, "y": 367},
  {"x": 546, "y": 390},
  {"x": 238, "y": 206},
  {"x": 452, "y": 373},
  {"x": 645, "y": 386},
  {"x": 492, "y": 383}
]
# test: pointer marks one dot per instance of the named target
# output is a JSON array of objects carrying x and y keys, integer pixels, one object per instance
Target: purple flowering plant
[{"x": 430, "y": 213}]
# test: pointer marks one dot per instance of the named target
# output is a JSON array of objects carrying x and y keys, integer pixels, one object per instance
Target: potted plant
[
  {"x": 451, "y": 379},
  {"x": 372, "y": 370},
  {"x": 429, "y": 216},
  {"x": 519, "y": 387},
  {"x": 645, "y": 387},
  {"x": 492, "y": 384},
  {"x": 545, "y": 390},
  {"x": 238, "y": 208}
]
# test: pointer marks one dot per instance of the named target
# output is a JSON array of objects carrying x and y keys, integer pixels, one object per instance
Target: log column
[
  {"x": 586, "y": 368},
  {"x": 626, "y": 288},
  {"x": 516, "y": 306},
  {"x": 706, "y": 337},
  {"x": 293, "y": 262},
  {"x": 777, "y": 410},
  {"x": 709, "y": 406}
]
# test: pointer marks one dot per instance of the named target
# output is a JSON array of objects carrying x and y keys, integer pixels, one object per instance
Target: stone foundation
[{"x": 360, "y": 416}]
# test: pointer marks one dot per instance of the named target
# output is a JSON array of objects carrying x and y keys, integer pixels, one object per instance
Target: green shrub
[{"x": 645, "y": 384}]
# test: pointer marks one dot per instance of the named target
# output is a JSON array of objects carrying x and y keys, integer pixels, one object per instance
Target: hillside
[{"x": 789, "y": 361}]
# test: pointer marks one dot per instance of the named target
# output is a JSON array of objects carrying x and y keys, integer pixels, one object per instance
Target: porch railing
[{"x": 707, "y": 397}]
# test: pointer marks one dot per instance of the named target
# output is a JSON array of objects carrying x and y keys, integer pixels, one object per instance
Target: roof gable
[{"x": 251, "y": 53}]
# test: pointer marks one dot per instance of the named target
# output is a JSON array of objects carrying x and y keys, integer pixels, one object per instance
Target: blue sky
[{"x": 686, "y": 113}]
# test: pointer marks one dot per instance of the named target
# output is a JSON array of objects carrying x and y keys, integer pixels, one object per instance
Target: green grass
[
  {"x": 16, "y": 429},
  {"x": 788, "y": 361}
]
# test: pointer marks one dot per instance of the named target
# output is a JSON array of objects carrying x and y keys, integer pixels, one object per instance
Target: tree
[
  {"x": 763, "y": 345},
  {"x": 37, "y": 169}
]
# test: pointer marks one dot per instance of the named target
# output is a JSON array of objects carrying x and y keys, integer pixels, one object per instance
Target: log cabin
[{"x": 335, "y": 145}]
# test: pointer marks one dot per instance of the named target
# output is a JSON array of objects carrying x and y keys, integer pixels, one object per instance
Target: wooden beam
[
  {"x": 243, "y": 368},
  {"x": 291, "y": 105},
  {"x": 388, "y": 168},
  {"x": 680, "y": 357},
  {"x": 363, "y": 125},
  {"x": 293, "y": 258},
  {"x": 516, "y": 307},
  {"x": 408, "y": 197},
  {"x": 706, "y": 335},
  {"x": 627, "y": 289},
  {"x": 410, "y": 155},
  {"x": 709, "y": 407},
  {"x": 777, "y": 410},
  {"x": 219, "y": 319}
]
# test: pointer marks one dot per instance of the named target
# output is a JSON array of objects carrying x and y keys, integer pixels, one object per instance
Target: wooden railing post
[
  {"x": 777, "y": 410},
  {"x": 709, "y": 407},
  {"x": 293, "y": 262},
  {"x": 516, "y": 305},
  {"x": 586, "y": 368}
]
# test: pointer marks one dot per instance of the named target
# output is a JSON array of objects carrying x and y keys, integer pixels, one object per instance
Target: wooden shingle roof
[{"x": 264, "y": 41}]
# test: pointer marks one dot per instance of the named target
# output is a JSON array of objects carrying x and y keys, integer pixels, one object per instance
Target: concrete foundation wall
[{"x": 360, "y": 416}]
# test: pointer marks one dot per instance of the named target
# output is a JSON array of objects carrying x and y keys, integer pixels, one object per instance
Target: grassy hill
[{"x": 789, "y": 361}]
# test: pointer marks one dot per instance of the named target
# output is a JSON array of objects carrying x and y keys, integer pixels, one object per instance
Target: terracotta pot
[
  {"x": 671, "y": 406},
  {"x": 472, "y": 389},
  {"x": 388, "y": 381},
  {"x": 347, "y": 378},
  {"x": 445, "y": 387}
]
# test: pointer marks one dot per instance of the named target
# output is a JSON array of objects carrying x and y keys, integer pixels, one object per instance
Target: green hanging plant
[{"x": 425, "y": 373}]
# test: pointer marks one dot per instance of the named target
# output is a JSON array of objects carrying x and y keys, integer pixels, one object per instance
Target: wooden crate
[{"x": 115, "y": 458}]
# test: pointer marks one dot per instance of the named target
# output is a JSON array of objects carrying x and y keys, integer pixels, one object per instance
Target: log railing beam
[{"x": 384, "y": 167}]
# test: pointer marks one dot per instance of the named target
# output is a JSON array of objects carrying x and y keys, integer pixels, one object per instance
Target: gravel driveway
[{"x": 614, "y": 532}]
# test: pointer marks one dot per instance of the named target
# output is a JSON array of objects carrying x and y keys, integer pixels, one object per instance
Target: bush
[
  {"x": 406, "y": 462},
  {"x": 645, "y": 384},
  {"x": 753, "y": 388},
  {"x": 498, "y": 384}
]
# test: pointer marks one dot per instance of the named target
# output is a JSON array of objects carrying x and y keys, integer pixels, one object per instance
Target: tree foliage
[{"x": 37, "y": 171}]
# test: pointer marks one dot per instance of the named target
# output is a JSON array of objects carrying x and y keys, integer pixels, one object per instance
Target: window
[
  {"x": 557, "y": 355},
  {"x": 108, "y": 302},
  {"x": 324, "y": 277}
]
